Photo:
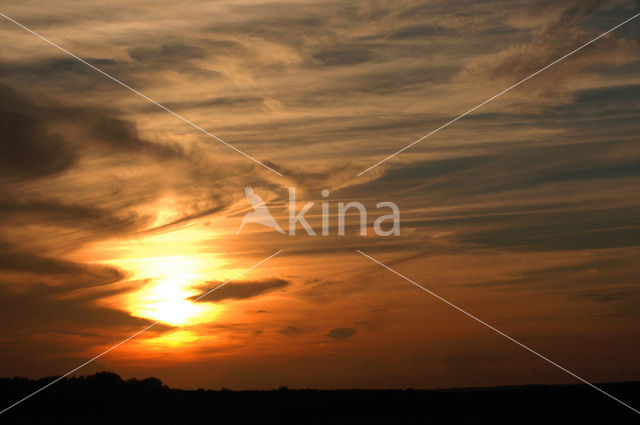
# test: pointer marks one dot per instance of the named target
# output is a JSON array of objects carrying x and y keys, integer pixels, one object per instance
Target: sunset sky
[{"x": 115, "y": 214}]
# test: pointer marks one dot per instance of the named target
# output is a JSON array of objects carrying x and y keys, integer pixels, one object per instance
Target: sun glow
[
  {"x": 168, "y": 295},
  {"x": 172, "y": 339},
  {"x": 167, "y": 284},
  {"x": 166, "y": 271},
  {"x": 168, "y": 302}
]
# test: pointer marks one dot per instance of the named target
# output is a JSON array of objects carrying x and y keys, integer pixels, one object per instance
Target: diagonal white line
[
  {"x": 499, "y": 94},
  {"x": 197, "y": 127},
  {"x": 499, "y": 332},
  {"x": 132, "y": 336}
]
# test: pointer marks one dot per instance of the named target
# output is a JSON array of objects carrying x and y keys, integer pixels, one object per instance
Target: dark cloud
[
  {"x": 235, "y": 103},
  {"x": 71, "y": 273},
  {"x": 277, "y": 22},
  {"x": 167, "y": 52},
  {"x": 292, "y": 331},
  {"x": 557, "y": 28},
  {"x": 567, "y": 13},
  {"x": 179, "y": 56},
  {"x": 341, "y": 333},
  {"x": 56, "y": 66},
  {"x": 418, "y": 31},
  {"x": 607, "y": 297},
  {"x": 576, "y": 230},
  {"x": 31, "y": 148},
  {"x": 577, "y": 275},
  {"x": 527, "y": 167},
  {"x": 43, "y": 139},
  {"x": 240, "y": 290},
  {"x": 28, "y": 149},
  {"x": 41, "y": 323},
  {"x": 63, "y": 309},
  {"x": 65, "y": 71},
  {"x": 123, "y": 136},
  {"x": 53, "y": 212},
  {"x": 393, "y": 80},
  {"x": 342, "y": 56}
]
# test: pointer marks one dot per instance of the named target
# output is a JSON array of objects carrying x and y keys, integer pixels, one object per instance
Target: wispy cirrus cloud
[{"x": 528, "y": 202}]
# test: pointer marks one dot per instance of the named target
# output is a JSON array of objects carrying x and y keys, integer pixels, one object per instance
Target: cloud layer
[{"x": 524, "y": 211}]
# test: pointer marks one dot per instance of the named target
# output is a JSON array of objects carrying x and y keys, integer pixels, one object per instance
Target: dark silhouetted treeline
[{"x": 104, "y": 398}]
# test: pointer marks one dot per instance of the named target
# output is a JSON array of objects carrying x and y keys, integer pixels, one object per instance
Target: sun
[
  {"x": 166, "y": 285},
  {"x": 168, "y": 297},
  {"x": 168, "y": 301}
]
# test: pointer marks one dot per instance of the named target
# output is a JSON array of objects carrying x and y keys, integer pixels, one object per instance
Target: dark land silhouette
[{"x": 105, "y": 398}]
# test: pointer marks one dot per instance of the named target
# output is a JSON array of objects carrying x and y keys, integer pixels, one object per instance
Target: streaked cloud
[{"x": 524, "y": 211}]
